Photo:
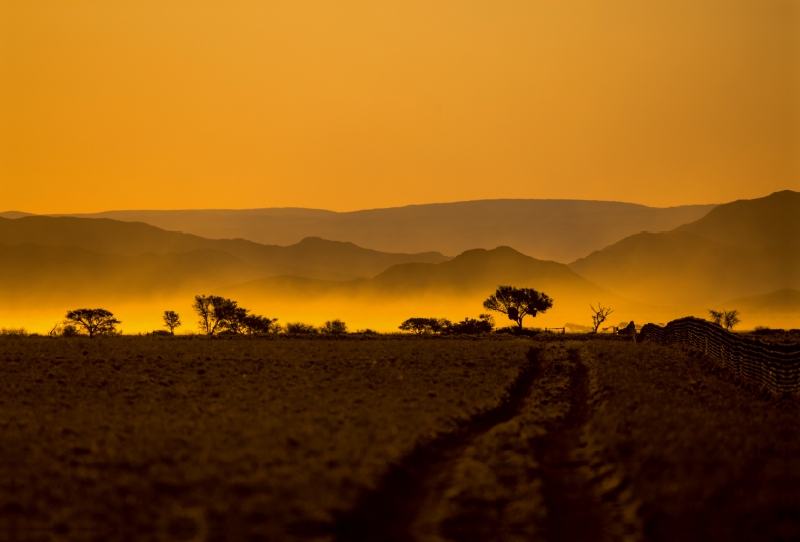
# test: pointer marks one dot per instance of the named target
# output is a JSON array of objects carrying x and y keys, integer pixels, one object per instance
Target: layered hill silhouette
[
  {"x": 744, "y": 248},
  {"x": 744, "y": 255},
  {"x": 471, "y": 271},
  {"x": 454, "y": 289},
  {"x": 757, "y": 223},
  {"x": 311, "y": 257},
  {"x": 559, "y": 230}
]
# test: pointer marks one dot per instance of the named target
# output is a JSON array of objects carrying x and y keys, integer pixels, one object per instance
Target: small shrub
[
  {"x": 471, "y": 326},
  {"x": 299, "y": 328}
]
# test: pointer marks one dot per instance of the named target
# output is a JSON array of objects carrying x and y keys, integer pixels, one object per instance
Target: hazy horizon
[
  {"x": 562, "y": 130},
  {"x": 360, "y": 209}
]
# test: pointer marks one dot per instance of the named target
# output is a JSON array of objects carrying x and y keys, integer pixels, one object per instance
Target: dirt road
[{"x": 427, "y": 497}]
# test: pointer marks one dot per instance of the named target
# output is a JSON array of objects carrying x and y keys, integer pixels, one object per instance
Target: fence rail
[{"x": 774, "y": 366}]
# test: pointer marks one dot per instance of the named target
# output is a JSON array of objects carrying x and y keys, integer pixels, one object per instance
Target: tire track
[
  {"x": 574, "y": 511},
  {"x": 402, "y": 506},
  {"x": 406, "y": 505}
]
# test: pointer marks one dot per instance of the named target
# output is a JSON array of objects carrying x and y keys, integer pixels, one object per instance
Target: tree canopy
[
  {"x": 425, "y": 325},
  {"x": 221, "y": 315},
  {"x": 171, "y": 320},
  {"x": 471, "y": 326},
  {"x": 517, "y": 303},
  {"x": 726, "y": 319},
  {"x": 93, "y": 321}
]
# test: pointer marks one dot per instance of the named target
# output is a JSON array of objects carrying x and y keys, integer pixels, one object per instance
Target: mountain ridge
[
  {"x": 549, "y": 229},
  {"x": 700, "y": 262},
  {"x": 311, "y": 256}
]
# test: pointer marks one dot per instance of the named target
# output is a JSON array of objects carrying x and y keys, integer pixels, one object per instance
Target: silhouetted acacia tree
[
  {"x": 93, "y": 321},
  {"x": 600, "y": 315},
  {"x": 217, "y": 313},
  {"x": 415, "y": 325},
  {"x": 254, "y": 324},
  {"x": 517, "y": 303},
  {"x": 171, "y": 321},
  {"x": 425, "y": 325},
  {"x": 204, "y": 307},
  {"x": 726, "y": 319},
  {"x": 716, "y": 316}
]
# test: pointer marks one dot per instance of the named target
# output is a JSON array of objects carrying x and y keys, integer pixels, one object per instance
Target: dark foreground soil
[
  {"x": 388, "y": 439},
  {"x": 695, "y": 455},
  {"x": 223, "y": 439}
]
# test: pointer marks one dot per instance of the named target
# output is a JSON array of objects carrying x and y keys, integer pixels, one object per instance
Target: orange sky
[{"x": 347, "y": 105}]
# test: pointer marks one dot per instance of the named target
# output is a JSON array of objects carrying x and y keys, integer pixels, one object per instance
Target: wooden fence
[{"x": 774, "y": 366}]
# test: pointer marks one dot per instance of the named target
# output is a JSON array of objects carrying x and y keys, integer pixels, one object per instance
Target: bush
[
  {"x": 70, "y": 331},
  {"x": 254, "y": 324},
  {"x": 471, "y": 326},
  {"x": 299, "y": 328},
  {"x": 13, "y": 332},
  {"x": 334, "y": 327}
]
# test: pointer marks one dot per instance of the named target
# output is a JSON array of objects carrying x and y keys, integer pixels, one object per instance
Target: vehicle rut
[
  {"x": 395, "y": 510},
  {"x": 574, "y": 512},
  {"x": 404, "y": 506}
]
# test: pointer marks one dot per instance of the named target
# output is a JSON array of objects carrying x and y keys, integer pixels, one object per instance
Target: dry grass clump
[
  {"x": 693, "y": 456},
  {"x": 233, "y": 437}
]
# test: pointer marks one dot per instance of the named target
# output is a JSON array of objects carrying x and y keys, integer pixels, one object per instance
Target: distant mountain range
[
  {"x": 559, "y": 230},
  {"x": 756, "y": 223},
  {"x": 476, "y": 270},
  {"x": 744, "y": 254},
  {"x": 311, "y": 257},
  {"x": 744, "y": 248}
]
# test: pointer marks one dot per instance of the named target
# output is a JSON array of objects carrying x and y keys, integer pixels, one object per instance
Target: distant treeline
[{"x": 217, "y": 315}]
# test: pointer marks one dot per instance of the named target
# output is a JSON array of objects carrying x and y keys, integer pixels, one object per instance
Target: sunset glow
[{"x": 351, "y": 105}]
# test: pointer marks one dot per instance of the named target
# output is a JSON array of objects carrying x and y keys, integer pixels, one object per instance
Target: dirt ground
[
  {"x": 388, "y": 439},
  {"x": 223, "y": 439}
]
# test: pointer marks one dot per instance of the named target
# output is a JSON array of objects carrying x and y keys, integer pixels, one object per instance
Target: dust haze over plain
[
  {"x": 744, "y": 252},
  {"x": 537, "y": 120}
]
